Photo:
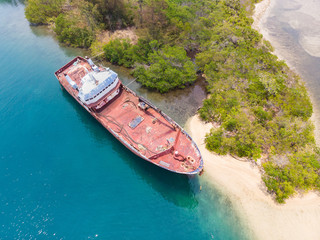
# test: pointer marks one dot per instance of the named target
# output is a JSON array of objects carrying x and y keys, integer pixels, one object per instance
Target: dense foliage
[
  {"x": 43, "y": 11},
  {"x": 157, "y": 68},
  {"x": 261, "y": 107},
  {"x": 301, "y": 171},
  {"x": 113, "y": 14},
  {"x": 68, "y": 32},
  {"x": 119, "y": 52},
  {"x": 168, "y": 68},
  {"x": 77, "y": 22}
]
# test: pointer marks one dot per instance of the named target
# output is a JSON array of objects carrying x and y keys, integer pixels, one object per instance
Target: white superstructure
[{"x": 96, "y": 84}]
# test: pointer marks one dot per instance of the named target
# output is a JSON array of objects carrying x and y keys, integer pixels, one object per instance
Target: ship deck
[
  {"x": 153, "y": 136},
  {"x": 145, "y": 131}
]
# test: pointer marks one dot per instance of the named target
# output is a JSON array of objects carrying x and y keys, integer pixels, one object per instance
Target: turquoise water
[{"x": 63, "y": 176}]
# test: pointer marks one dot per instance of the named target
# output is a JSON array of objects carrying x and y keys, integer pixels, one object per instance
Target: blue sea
[{"x": 63, "y": 176}]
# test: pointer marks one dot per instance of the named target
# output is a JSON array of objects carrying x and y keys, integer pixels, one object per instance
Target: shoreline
[
  {"x": 261, "y": 12},
  {"x": 241, "y": 181}
]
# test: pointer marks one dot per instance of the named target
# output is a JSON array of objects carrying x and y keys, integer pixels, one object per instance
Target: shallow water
[
  {"x": 63, "y": 176},
  {"x": 294, "y": 29}
]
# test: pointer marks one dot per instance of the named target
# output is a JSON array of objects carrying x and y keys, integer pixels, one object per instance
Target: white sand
[
  {"x": 299, "y": 218},
  {"x": 260, "y": 13}
]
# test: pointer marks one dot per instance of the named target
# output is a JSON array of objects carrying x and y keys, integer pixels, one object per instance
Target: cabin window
[{"x": 100, "y": 92}]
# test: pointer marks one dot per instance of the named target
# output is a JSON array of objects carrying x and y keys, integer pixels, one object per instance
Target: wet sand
[{"x": 241, "y": 181}]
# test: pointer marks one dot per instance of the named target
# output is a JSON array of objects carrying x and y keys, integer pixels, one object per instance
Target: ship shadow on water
[
  {"x": 178, "y": 189},
  {"x": 181, "y": 190}
]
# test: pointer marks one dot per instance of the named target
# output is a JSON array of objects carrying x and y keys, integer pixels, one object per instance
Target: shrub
[
  {"x": 169, "y": 68},
  {"x": 69, "y": 33},
  {"x": 119, "y": 52},
  {"x": 214, "y": 141},
  {"x": 41, "y": 11},
  {"x": 301, "y": 172}
]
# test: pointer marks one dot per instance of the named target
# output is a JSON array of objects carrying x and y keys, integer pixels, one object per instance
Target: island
[{"x": 257, "y": 112}]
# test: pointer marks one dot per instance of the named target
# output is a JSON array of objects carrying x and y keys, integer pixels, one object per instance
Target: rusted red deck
[{"x": 152, "y": 135}]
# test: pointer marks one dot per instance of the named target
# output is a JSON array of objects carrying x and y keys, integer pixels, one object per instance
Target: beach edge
[{"x": 241, "y": 182}]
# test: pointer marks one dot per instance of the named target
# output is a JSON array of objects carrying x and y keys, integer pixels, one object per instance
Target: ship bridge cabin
[
  {"x": 94, "y": 86},
  {"x": 98, "y": 88}
]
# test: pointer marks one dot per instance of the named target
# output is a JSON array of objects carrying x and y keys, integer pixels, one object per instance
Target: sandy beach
[{"x": 241, "y": 181}]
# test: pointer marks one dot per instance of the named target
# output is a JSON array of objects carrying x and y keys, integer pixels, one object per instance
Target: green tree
[
  {"x": 114, "y": 14},
  {"x": 119, "y": 52},
  {"x": 42, "y": 11},
  {"x": 69, "y": 33},
  {"x": 169, "y": 68}
]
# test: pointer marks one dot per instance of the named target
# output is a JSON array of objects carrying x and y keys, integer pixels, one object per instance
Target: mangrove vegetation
[{"x": 262, "y": 108}]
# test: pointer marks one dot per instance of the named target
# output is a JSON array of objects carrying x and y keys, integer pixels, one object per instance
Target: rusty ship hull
[{"x": 139, "y": 125}]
